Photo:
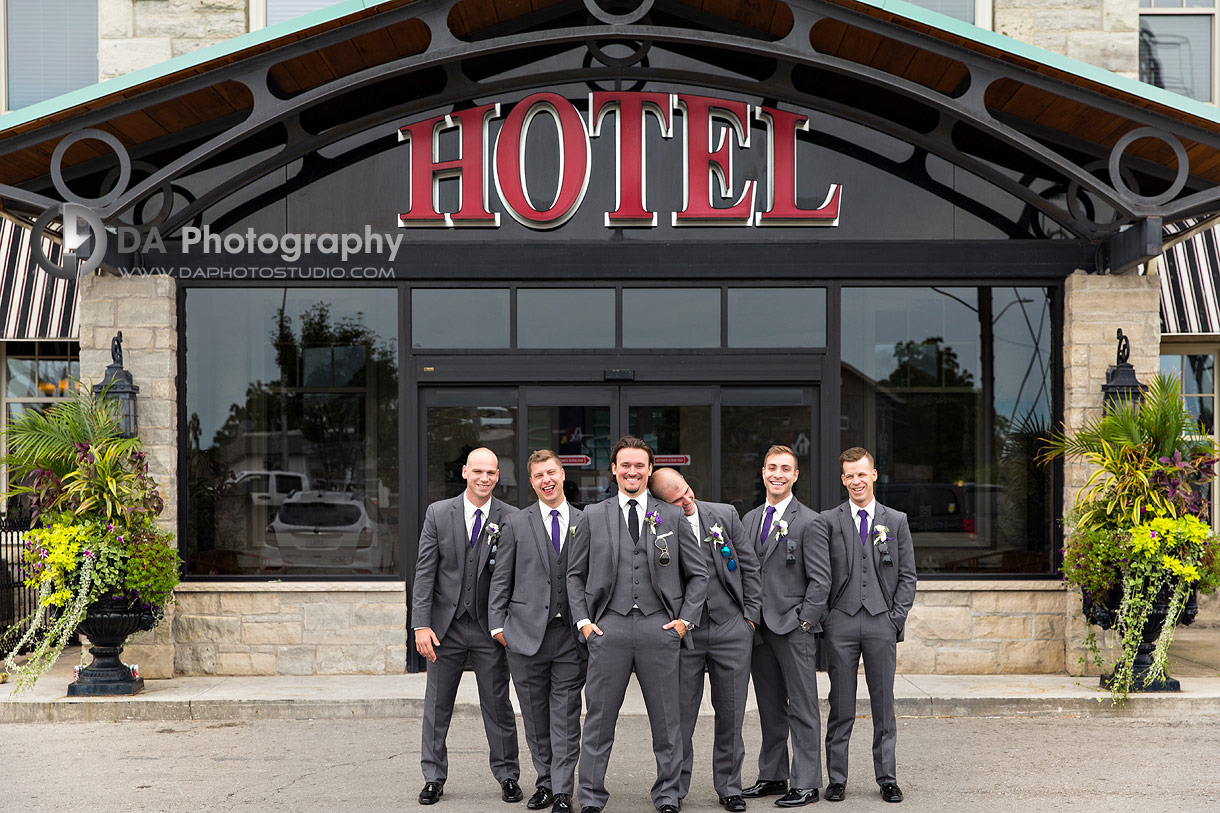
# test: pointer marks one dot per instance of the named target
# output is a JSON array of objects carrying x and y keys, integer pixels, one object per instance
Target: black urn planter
[
  {"x": 107, "y": 624},
  {"x": 1105, "y": 613}
]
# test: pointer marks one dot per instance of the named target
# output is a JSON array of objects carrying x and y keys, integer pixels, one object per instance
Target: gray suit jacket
[
  {"x": 442, "y": 554},
  {"x": 795, "y": 590},
  {"x": 897, "y": 581},
  {"x": 745, "y": 583},
  {"x": 601, "y": 535},
  {"x": 520, "y": 597}
]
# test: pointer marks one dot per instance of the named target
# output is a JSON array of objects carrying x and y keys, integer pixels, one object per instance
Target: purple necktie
[
  {"x": 478, "y": 527},
  {"x": 863, "y": 526},
  {"x": 766, "y": 527},
  {"x": 555, "y": 529}
]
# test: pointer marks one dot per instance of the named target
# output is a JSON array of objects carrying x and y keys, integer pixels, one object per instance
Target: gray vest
[
  {"x": 864, "y": 589},
  {"x": 468, "y": 604},
  {"x": 559, "y": 584},
  {"x": 721, "y": 606},
  {"x": 633, "y": 585}
]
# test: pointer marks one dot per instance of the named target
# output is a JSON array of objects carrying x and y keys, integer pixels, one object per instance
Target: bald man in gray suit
[
  {"x": 449, "y": 615},
  {"x": 529, "y": 615}
]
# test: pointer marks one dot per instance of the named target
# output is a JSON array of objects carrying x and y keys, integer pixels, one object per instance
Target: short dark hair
[
  {"x": 630, "y": 442},
  {"x": 857, "y": 453},
  {"x": 777, "y": 449},
  {"x": 541, "y": 456}
]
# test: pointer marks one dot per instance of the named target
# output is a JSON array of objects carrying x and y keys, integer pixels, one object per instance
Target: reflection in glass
[
  {"x": 1203, "y": 408},
  {"x": 1201, "y": 376},
  {"x": 1175, "y": 53},
  {"x": 21, "y": 378},
  {"x": 671, "y": 317},
  {"x": 292, "y": 405},
  {"x": 951, "y": 389},
  {"x": 456, "y": 431},
  {"x": 565, "y": 317},
  {"x": 746, "y": 433},
  {"x": 777, "y": 317},
  {"x": 679, "y": 430},
  {"x": 459, "y": 317},
  {"x": 576, "y": 432}
]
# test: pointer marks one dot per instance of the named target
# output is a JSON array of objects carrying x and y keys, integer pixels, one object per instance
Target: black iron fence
[{"x": 16, "y": 600}]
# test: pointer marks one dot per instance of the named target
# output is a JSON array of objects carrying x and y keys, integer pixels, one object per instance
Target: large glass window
[
  {"x": 671, "y": 317},
  {"x": 50, "y": 48},
  {"x": 951, "y": 389},
  {"x": 1177, "y": 45},
  {"x": 777, "y": 317},
  {"x": 36, "y": 374},
  {"x": 291, "y": 432},
  {"x": 1195, "y": 366},
  {"x": 460, "y": 317},
  {"x": 553, "y": 318}
]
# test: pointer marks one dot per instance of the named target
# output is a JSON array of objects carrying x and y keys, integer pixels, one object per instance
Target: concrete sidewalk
[{"x": 401, "y": 696}]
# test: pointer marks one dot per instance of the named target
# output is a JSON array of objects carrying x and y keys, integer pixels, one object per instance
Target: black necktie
[{"x": 633, "y": 521}]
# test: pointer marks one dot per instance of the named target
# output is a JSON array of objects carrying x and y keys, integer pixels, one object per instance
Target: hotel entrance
[{"x": 715, "y": 435}]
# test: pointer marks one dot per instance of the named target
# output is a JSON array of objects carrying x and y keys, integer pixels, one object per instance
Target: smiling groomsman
[
  {"x": 796, "y": 582},
  {"x": 873, "y": 564},
  {"x": 636, "y": 583},
  {"x": 723, "y": 634},
  {"x": 449, "y": 611},
  {"x": 529, "y": 615}
]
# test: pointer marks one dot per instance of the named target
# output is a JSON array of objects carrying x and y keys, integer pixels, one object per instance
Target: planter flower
[
  {"x": 1137, "y": 542},
  {"x": 96, "y": 556}
]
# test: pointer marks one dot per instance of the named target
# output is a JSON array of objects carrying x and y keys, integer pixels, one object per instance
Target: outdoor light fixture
[
  {"x": 117, "y": 385},
  {"x": 1121, "y": 383}
]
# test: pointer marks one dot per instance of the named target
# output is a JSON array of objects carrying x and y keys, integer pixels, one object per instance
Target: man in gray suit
[
  {"x": 872, "y": 561},
  {"x": 796, "y": 582},
  {"x": 636, "y": 582},
  {"x": 529, "y": 615},
  {"x": 457, "y": 549},
  {"x": 723, "y": 634}
]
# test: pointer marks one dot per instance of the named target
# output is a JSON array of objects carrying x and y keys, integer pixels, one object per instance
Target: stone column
[
  {"x": 1095, "y": 306},
  {"x": 145, "y": 309}
]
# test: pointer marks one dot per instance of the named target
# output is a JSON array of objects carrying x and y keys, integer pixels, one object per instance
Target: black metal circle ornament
[
  {"x": 635, "y": 56},
  {"x": 642, "y": 7},
  {"x": 57, "y": 168},
  {"x": 166, "y": 189},
  {"x": 1116, "y": 157}
]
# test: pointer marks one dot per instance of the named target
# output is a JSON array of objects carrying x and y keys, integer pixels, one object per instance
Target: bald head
[
  {"x": 481, "y": 473},
  {"x": 668, "y": 485}
]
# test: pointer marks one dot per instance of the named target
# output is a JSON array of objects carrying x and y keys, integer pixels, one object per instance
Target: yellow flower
[{"x": 1172, "y": 564}]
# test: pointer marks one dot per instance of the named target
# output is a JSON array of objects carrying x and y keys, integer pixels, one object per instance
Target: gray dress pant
[
  {"x": 786, "y": 687},
  {"x": 468, "y": 637},
  {"x": 548, "y": 688},
  {"x": 848, "y": 638},
  {"x": 723, "y": 651},
  {"x": 632, "y": 640}
]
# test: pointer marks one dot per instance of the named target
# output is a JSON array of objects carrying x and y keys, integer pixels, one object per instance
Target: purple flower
[{"x": 88, "y": 553}]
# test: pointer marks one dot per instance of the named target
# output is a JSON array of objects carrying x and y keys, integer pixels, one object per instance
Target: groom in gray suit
[
  {"x": 796, "y": 582},
  {"x": 636, "y": 583},
  {"x": 449, "y": 613},
  {"x": 723, "y": 634},
  {"x": 528, "y": 611},
  {"x": 872, "y": 561}
]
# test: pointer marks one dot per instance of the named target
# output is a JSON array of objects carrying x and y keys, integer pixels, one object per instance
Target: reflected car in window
[{"x": 322, "y": 531}]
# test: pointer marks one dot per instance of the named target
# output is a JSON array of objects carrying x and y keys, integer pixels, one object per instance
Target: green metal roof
[{"x": 918, "y": 14}]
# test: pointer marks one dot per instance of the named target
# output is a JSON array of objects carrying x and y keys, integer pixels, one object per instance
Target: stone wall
[
  {"x": 986, "y": 628},
  {"x": 146, "y": 310},
  {"x": 1104, "y": 33},
  {"x": 134, "y": 34},
  {"x": 290, "y": 628}
]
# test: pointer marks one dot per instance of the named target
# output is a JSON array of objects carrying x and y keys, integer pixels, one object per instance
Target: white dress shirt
[
  {"x": 871, "y": 508},
  {"x": 780, "y": 508},
  {"x": 693, "y": 519},
  {"x": 469, "y": 508}
]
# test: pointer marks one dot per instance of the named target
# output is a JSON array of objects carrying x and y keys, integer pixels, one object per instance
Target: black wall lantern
[
  {"x": 117, "y": 385},
  {"x": 1121, "y": 383}
]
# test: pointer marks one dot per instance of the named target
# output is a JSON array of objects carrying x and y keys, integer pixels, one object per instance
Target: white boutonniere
[
  {"x": 493, "y": 532},
  {"x": 715, "y": 534},
  {"x": 653, "y": 519},
  {"x": 572, "y": 532},
  {"x": 880, "y": 534},
  {"x": 781, "y": 529}
]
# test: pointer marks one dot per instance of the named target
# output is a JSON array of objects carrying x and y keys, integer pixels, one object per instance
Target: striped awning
[
  {"x": 1190, "y": 279},
  {"x": 33, "y": 304}
]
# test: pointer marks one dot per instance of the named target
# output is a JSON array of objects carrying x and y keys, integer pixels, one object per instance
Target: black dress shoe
[
  {"x": 798, "y": 797},
  {"x": 766, "y": 787},
  {"x": 587, "y": 809},
  {"x": 667, "y": 809},
  {"x": 432, "y": 793},
  {"x": 734, "y": 803},
  {"x": 836, "y": 792},
  {"x": 891, "y": 792},
  {"x": 563, "y": 804},
  {"x": 512, "y": 791},
  {"x": 542, "y": 798}
]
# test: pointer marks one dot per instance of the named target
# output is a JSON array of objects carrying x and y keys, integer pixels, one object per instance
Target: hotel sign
[{"x": 708, "y": 125}]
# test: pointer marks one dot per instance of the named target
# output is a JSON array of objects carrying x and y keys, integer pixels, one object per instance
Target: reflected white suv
[{"x": 317, "y": 531}]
